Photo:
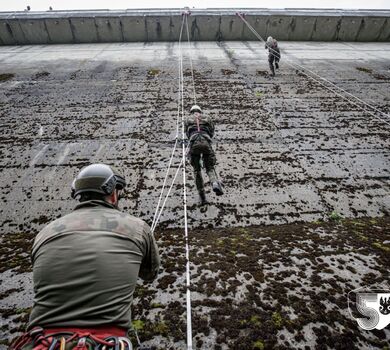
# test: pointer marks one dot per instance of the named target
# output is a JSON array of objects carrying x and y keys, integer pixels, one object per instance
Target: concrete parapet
[{"x": 54, "y": 27}]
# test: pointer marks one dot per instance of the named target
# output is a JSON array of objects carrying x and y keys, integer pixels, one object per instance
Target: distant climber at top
[
  {"x": 200, "y": 131},
  {"x": 273, "y": 54}
]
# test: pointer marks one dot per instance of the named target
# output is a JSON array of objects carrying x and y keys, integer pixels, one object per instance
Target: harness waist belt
[
  {"x": 100, "y": 331},
  {"x": 200, "y": 133}
]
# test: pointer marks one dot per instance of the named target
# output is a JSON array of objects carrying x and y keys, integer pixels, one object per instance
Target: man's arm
[
  {"x": 151, "y": 260},
  {"x": 186, "y": 125},
  {"x": 211, "y": 126}
]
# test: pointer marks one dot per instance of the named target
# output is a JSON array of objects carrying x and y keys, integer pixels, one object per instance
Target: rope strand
[
  {"x": 182, "y": 164},
  {"x": 157, "y": 214},
  {"x": 192, "y": 68},
  {"x": 188, "y": 278}
]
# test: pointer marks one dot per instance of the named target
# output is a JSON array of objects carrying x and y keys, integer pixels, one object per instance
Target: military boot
[
  {"x": 202, "y": 198},
  {"x": 217, "y": 188}
]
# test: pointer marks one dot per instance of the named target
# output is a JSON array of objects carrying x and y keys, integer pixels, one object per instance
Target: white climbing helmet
[{"x": 195, "y": 108}]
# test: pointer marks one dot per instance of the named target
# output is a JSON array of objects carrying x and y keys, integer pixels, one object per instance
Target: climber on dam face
[
  {"x": 85, "y": 268},
  {"x": 200, "y": 131},
  {"x": 273, "y": 54}
]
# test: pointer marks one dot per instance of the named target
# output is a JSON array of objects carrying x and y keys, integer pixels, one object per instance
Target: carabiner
[
  {"x": 53, "y": 344},
  {"x": 115, "y": 343},
  {"x": 126, "y": 342}
]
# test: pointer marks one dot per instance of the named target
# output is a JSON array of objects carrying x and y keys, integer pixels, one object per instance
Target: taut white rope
[
  {"x": 157, "y": 214},
  {"x": 190, "y": 51},
  {"x": 188, "y": 278}
]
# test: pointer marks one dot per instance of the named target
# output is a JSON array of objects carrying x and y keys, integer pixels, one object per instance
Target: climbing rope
[
  {"x": 336, "y": 87},
  {"x": 159, "y": 209},
  {"x": 190, "y": 55},
  {"x": 187, "y": 247}
]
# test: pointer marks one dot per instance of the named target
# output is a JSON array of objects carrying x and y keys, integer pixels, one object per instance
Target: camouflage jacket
[
  {"x": 273, "y": 48},
  {"x": 86, "y": 264},
  {"x": 206, "y": 126}
]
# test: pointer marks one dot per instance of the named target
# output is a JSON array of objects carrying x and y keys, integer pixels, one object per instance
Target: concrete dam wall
[{"x": 97, "y": 26}]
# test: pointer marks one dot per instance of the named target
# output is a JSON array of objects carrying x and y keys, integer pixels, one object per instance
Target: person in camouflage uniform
[
  {"x": 86, "y": 264},
  {"x": 200, "y": 130},
  {"x": 273, "y": 54}
]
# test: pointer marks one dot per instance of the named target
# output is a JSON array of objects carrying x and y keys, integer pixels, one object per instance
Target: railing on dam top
[{"x": 95, "y": 26}]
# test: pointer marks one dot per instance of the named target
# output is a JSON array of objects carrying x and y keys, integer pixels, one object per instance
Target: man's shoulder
[
  {"x": 101, "y": 218},
  {"x": 87, "y": 217},
  {"x": 207, "y": 118},
  {"x": 93, "y": 219}
]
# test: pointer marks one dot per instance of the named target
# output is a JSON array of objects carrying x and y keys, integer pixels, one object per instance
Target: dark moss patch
[
  {"x": 375, "y": 75},
  {"x": 41, "y": 75},
  {"x": 9, "y": 292},
  {"x": 153, "y": 72},
  {"x": 381, "y": 76},
  {"x": 364, "y": 69},
  {"x": 6, "y": 76},
  {"x": 262, "y": 73},
  {"x": 15, "y": 251},
  {"x": 166, "y": 281},
  {"x": 43, "y": 219},
  {"x": 227, "y": 71}
]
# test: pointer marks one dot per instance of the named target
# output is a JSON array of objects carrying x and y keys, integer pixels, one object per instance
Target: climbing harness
[
  {"x": 314, "y": 75},
  {"x": 103, "y": 338}
]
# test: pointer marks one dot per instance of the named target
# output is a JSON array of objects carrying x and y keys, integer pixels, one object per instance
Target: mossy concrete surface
[
  {"x": 282, "y": 286},
  {"x": 305, "y": 215}
]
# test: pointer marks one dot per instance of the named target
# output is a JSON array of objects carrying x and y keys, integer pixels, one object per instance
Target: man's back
[
  {"x": 203, "y": 123},
  {"x": 85, "y": 267}
]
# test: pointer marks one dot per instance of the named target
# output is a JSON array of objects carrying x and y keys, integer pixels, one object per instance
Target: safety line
[
  {"x": 188, "y": 279},
  {"x": 190, "y": 51},
  {"x": 295, "y": 65},
  {"x": 182, "y": 164},
  {"x": 157, "y": 215},
  {"x": 168, "y": 193}
]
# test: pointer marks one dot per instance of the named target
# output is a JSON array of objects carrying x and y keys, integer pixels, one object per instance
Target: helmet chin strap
[
  {"x": 197, "y": 118},
  {"x": 113, "y": 198},
  {"x": 117, "y": 197}
]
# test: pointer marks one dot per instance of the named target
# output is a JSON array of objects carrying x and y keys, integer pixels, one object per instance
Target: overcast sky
[{"x": 42, "y": 5}]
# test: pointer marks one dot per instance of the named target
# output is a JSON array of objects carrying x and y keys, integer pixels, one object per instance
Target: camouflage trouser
[
  {"x": 271, "y": 58},
  {"x": 201, "y": 149}
]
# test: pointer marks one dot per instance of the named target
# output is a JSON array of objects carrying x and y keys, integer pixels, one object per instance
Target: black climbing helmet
[{"x": 97, "y": 178}]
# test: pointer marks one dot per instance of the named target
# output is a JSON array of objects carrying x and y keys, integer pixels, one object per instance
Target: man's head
[
  {"x": 195, "y": 109},
  {"x": 99, "y": 182}
]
